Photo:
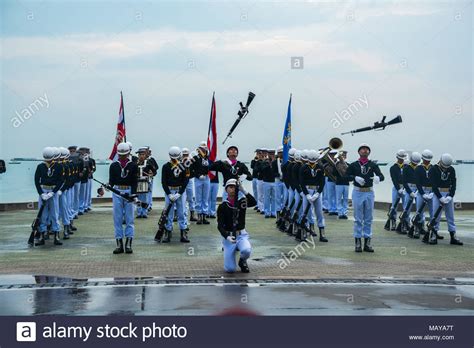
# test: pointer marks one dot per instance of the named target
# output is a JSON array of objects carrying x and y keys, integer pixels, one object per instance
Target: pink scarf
[
  {"x": 123, "y": 162},
  {"x": 231, "y": 201},
  {"x": 363, "y": 161}
]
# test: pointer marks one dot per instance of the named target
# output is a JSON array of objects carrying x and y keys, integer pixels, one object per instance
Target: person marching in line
[
  {"x": 145, "y": 172},
  {"x": 78, "y": 165},
  {"x": 93, "y": 168},
  {"x": 48, "y": 181},
  {"x": 154, "y": 168},
  {"x": 409, "y": 183},
  {"x": 424, "y": 189},
  {"x": 311, "y": 178},
  {"x": 62, "y": 192},
  {"x": 295, "y": 181},
  {"x": 268, "y": 178},
  {"x": 175, "y": 179},
  {"x": 280, "y": 188},
  {"x": 342, "y": 188},
  {"x": 254, "y": 165},
  {"x": 364, "y": 173},
  {"x": 443, "y": 179},
  {"x": 331, "y": 189},
  {"x": 84, "y": 177},
  {"x": 260, "y": 191},
  {"x": 201, "y": 182},
  {"x": 73, "y": 168},
  {"x": 287, "y": 170},
  {"x": 190, "y": 191},
  {"x": 325, "y": 192},
  {"x": 398, "y": 190},
  {"x": 231, "y": 225},
  {"x": 123, "y": 176},
  {"x": 68, "y": 188},
  {"x": 213, "y": 191},
  {"x": 231, "y": 168}
]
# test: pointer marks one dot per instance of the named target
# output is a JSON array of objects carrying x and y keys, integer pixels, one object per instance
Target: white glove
[
  {"x": 171, "y": 197},
  {"x": 202, "y": 177},
  {"x": 315, "y": 196},
  {"x": 360, "y": 180},
  {"x": 448, "y": 199},
  {"x": 376, "y": 179},
  {"x": 60, "y": 193},
  {"x": 243, "y": 177},
  {"x": 44, "y": 196},
  {"x": 50, "y": 194},
  {"x": 427, "y": 196},
  {"x": 401, "y": 191},
  {"x": 309, "y": 197},
  {"x": 135, "y": 199},
  {"x": 176, "y": 196},
  {"x": 430, "y": 195},
  {"x": 413, "y": 194},
  {"x": 231, "y": 239},
  {"x": 443, "y": 200}
]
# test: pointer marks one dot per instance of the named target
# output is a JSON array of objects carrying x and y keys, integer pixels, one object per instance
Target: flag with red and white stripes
[
  {"x": 120, "y": 135},
  {"x": 212, "y": 136}
]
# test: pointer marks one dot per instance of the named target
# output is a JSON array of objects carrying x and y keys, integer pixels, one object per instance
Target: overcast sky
[{"x": 63, "y": 65}]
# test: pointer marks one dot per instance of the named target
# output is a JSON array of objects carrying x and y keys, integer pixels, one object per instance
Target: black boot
[
  {"x": 199, "y": 219},
  {"x": 322, "y": 235},
  {"x": 367, "y": 246},
  {"x": 166, "y": 237},
  {"x": 298, "y": 233},
  {"x": 411, "y": 231},
  {"x": 243, "y": 266},
  {"x": 128, "y": 246},
  {"x": 66, "y": 232},
  {"x": 426, "y": 237},
  {"x": 394, "y": 225},
  {"x": 416, "y": 233},
  {"x": 438, "y": 236},
  {"x": 204, "y": 221},
  {"x": 312, "y": 231},
  {"x": 433, "y": 238},
  {"x": 56, "y": 239},
  {"x": 184, "y": 237},
  {"x": 358, "y": 245},
  {"x": 40, "y": 241},
  {"x": 193, "y": 217},
  {"x": 119, "y": 248},
  {"x": 454, "y": 240},
  {"x": 72, "y": 228}
]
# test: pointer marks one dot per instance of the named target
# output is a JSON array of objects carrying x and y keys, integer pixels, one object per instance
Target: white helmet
[
  {"x": 364, "y": 145},
  {"x": 129, "y": 145},
  {"x": 231, "y": 182},
  {"x": 291, "y": 152},
  {"x": 280, "y": 148},
  {"x": 174, "y": 152},
  {"x": 446, "y": 160},
  {"x": 313, "y": 156},
  {"x": 64, "y": 152},
  {"x": 427, "y": 155},
  {"x": 48, "y": 153},
  {"x": 203, "y": 144},
  {"x": 184, "y": 151},
  {"x": 415, "y": 157},
  {"x": 304, "y": 154},
  {"x": 298, "y": 155},
  {"x": 57, "y": 153},
  {"x": 123, "y": 149},
  {"x": 401, "y": 154}
]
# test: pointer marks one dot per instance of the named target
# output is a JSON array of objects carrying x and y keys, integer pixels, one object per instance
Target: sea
[{"x": 17, "y": 183}]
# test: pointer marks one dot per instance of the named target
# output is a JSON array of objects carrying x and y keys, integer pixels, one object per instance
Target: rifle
[
  {"x": 390, "y": 213},
  {"x": 162, "y": 222},
  {"x": 416, "y": 222},
  {"x": 280, "y": 219},
  {"x": 294, "y": 218},
  {"x": 285, "y": 219},
  {"x": 377, "y": 125},
  {"x": 126, "y": 196},
  {"x": 301, "y": 227},
  {"x": 35, "y": 225},
  {"x": 428, "y": 237},
  {"x": 244, "y": 110},
  {"x": 401, "y": 227}
]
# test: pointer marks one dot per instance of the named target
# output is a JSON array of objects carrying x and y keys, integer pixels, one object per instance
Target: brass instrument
[{"x": 330, "y": 166}]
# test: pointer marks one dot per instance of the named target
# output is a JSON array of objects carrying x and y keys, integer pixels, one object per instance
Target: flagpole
[
  {"x": 210, "y": 118},
  {"x": 123, "y": 111}
]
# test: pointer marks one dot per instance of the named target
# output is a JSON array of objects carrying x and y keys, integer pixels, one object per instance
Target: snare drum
[{"x": 143, "y": 186}]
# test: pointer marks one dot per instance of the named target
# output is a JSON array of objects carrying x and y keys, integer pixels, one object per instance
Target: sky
[{"x": 64, "y": 63}]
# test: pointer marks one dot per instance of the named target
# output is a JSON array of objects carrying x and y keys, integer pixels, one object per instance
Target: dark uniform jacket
[
  {"x": 366, "y": 171},
  {"x": 225, "y": 214}
]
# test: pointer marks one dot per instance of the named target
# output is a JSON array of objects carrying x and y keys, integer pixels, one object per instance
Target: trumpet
[{"x": 329, "y": 164}]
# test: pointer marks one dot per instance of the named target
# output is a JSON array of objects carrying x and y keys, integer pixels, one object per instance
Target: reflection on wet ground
[{"x": 27, "y": 295}]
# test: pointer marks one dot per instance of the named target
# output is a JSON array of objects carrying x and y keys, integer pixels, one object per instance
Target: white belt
[{"x": 363, "y": 189}]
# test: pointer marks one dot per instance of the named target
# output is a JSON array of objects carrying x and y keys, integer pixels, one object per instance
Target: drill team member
[
  {"x": 84, "y": 178},
  {"x": 174, "y": 180},
  {"x": 280, "y": 188},
  {"x": 364, "y": 173},
  {"x": 231, "y": 225},
  {"x": 62, "y": 192},
  {"x": 398, "y": 190},
  {"x": 443, "y": 178},
  {"x": 260, "y": 191},
  {"x": 201, "y": 182},
  {"x": 145, "y": 172},
  {"x": 155, "y": 168},
  {"x": 268, "y": 178},
  {"x": 123, "y": 176},
  {"x": 189, "y": 192},
  {"x": 342, "y": 190},
  {"x": 331, "y": 189},
  {"x": 254, "y": 165},
  {"x": 213, "y": 191},
  {"x": 424, "y": 188},
  {"x": 409, "y": 184},
  {"x": 48, "y": 181}
]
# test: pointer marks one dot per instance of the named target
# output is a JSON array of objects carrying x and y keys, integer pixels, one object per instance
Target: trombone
[{"x": 330, "y": 166}]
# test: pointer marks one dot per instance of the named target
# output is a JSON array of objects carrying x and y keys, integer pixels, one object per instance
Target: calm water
[{"x": 16, "y": 185}]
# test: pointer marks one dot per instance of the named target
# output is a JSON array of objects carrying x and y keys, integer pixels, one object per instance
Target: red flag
[
  {"x": 120, "y": 136},
  {"x": 212, "y": 136}
]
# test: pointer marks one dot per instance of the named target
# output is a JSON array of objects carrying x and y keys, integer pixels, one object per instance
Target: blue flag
[{"x": 286, "y": 142}]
